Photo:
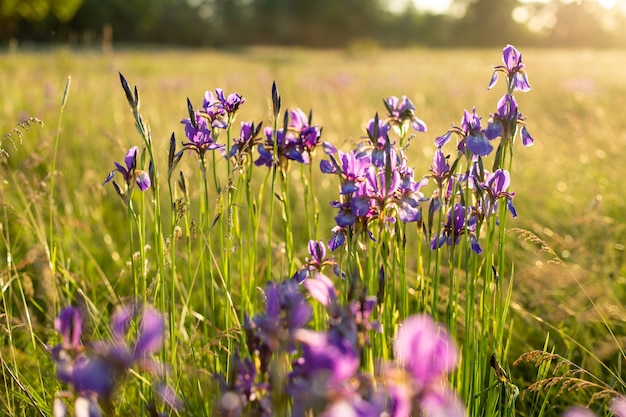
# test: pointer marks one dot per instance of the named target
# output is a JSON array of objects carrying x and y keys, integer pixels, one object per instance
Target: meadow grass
[{"x": 69, "y": 240}]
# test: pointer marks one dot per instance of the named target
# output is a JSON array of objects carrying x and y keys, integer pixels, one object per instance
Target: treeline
[{"x": 312, "y": 23}]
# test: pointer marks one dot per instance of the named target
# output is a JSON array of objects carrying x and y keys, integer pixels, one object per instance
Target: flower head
[
  {"x": 514, "y": 70},
  {"x": 131, "y": 174},
  {"x": 472, "y": 136},
  {"x": 401, "y": 111},
  {"x": 425, "y": 349}
]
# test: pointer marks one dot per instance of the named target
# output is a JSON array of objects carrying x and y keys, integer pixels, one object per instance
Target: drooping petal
[
  {"x": 59, "y": 409},
  {"x": 142, "y": 178},
  {"x": 440, "y": 401},
  {"x": 418, "y": 125},
  {"x": 443, "y": 139},
  {"x": 494, "y": 80},
  {"x": 321, "y": 288},
  {"x": 478, "y": 144},
  {"x": 360, "y": 205},
  {"x": 527, "y": 140}
]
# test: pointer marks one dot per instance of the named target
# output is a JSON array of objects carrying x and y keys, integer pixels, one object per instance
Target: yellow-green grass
[{"x": 569, "y": 186}]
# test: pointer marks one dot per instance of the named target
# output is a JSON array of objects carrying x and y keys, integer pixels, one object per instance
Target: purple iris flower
[
  {"x": 123, "y": 352},
  {"x": 352, "y": 167},
  {"x": 322, "y": 289},
  {"x": 514, "y": 70},
  {"x": 326, "y": 353},
  {"x": 200, "y": 135},
  {"x": 130, "y": 173},
  {"x": 69, "y": 323},
  {"x": 401, "y": 110},
  {"x": 455, "y": 227},
  {"x": 288, "y": 148},
  {"x": 231, "y": 103},
  {"x": 473, "y": 138},
  {"x": 286, "y": 310},
  {"x": 87, "y": 375},
  {"x": 494, "y": 189},
  {"x": 213, "y": 111},
  {"x": 425, "y": 349},
  {"x": 440, "y": 169},
  {"x": 338, "y": 239},
  {"x": 318, "y": 259},
  {"x": 505, "y": 121},
  {"x": 378, "y": 134},
  {"x": 248, "y": 138},
  {"x": 308, "y": 136}
]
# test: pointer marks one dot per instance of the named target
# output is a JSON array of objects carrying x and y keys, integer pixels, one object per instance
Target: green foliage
[{"x": 566, "y": 247}]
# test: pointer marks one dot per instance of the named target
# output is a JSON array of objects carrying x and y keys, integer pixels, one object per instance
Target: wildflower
[
  {"x": 248, "y": 138},
  {"x": 494, "y": 189},
  {"x": 242, "y": 393},
  {"x": 473, "y": 138},
  {"x": 455, "y": 227},
  {"x": 286, "y": 310},
  {"x": 231, "y": 103},
  {"x": 577, "y": 411},
  {"x": 326, "y": 353},
  {"x": 296, "y": 141},
  {"x": 425, "y": 349},
  {"x": 402, "y": 111},
  {"x": 125, "y": 351},
  {"x": 504, "y": 122},
  {"x": 200, "y": 136},
  {"x": 130, "y": 173},
  {"x": 440, "y": 169},
  {"x": 378, "y": 134},
  {"x": 514, "y": 70}
]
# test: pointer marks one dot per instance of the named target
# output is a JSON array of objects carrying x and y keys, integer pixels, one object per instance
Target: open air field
[{"x": 66, "y": 239}]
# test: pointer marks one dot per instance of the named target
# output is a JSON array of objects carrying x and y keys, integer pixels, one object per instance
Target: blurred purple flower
[
  {"x": 438, "y": 401},
  {"x": 577, "y": 411},
  {"x": 286, "y": 310},
  {"x": 322, "y": 289},
  {"x": 326, "y": 353},
  {"x": 69, "y": 323},
  {"x": 618, "y": 406},
  {"x": 514, "y": 70},
  {"x": 425, "y": 349},
  {"x": 130, "y": 173},
  {"x": 123, "y": 352}
]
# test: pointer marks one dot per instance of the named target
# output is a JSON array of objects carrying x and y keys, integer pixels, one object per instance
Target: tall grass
[{"x": 202, "y": 243}]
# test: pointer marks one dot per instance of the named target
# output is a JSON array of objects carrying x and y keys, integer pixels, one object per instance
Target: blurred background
[{"x": 314, "y": 23}]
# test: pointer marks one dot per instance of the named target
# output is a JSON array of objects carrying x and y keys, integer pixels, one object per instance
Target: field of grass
[{"x": 67, "y": 239}]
